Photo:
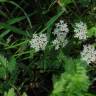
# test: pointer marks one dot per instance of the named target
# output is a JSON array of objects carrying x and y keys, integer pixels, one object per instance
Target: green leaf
[
  {"x": 92, "y": 32},
  {"x": 11, "y": 92},
  {"x": 3, "y": 0},
  {"x": 52, "y": 20},
  {"x": 26, "y": 15},
  {"x": 3, "y": 14},
  {"x": 64, "y": 3},
  {"x": 3, "y": 63},
  {"x": 4, "y": 34},
  {"x": 84, "y": 2},
  {"x": 10, "y": 22},
  {"x": 13, "y": 29},
  {"x": 5, "y": 93},
  {"x": 11, "y": 65},
  {"x": 6, "y": 66},
  {"x": 2, "y": 72},
  {"x": 71, "y": 83},
  {"x": 24, "y": 94}
]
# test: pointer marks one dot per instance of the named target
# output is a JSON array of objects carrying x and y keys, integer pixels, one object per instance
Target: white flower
[
  {"x": 57, "y": 43},
  {"x": 80, "y": 30},
  {"x": 61, "y": 27},
  {"x": 39, "y": 42},
  {"x": 88, "y": 54},
  {"x": 60, "y": 32}
]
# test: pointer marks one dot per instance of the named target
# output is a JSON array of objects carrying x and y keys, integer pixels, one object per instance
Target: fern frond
[{"x": 72, "y": 83}]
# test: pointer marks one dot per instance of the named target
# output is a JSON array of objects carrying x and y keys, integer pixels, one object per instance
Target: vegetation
[{"x": 47, "y": 47}]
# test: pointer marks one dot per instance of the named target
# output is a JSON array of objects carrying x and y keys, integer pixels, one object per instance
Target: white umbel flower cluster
[
  {"x": 61, "y": 27},
  {"x": 60, "y": 32},
  {"x": 39, "y": 42},
  {"x": 88, "y": 54},
  {"x": 57, "y": 43},
  {"x": 80, "y": 30}
]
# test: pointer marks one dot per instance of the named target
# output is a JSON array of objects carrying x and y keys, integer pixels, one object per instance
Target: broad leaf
[
  {"x": 11, "y": 92},
  {"x": 92, "y": 32}
]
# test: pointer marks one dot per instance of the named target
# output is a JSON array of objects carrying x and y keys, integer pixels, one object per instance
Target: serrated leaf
[{"x": 6, "y": 66}]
